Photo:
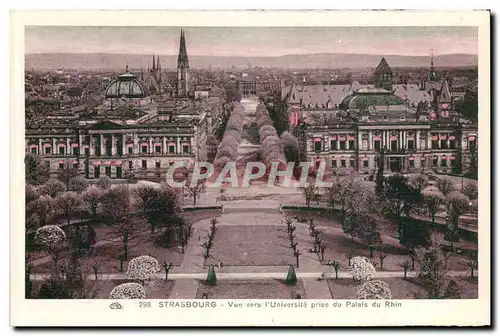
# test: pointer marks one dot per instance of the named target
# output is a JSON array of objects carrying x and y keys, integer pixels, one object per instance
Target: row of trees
[
  {"x": 228, "y": 148},
  {"x": 278, "y": 111},
  {"x": 271, "y": 144}
]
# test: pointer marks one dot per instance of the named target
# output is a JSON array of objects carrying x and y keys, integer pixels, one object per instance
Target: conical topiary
[
  {"x": 211, "y": 277},
  {"x": 291, "y": 278}
]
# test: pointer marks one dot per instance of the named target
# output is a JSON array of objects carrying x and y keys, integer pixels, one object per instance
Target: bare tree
[{"x": 194, "y": 190}]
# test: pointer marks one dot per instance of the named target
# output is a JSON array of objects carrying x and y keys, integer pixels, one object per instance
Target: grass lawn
[
  {"x": 401, "y": 289},
  {"x": 251, "y": 289},
  {"x": 155, "y": 289},
  {"x": 251, "y": 246}
]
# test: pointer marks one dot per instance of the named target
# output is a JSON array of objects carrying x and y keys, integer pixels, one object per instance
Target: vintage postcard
[{"x": 244, "y": 168}]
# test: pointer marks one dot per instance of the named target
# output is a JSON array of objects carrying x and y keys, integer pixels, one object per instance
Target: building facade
[{"x": 130, "y": 133}]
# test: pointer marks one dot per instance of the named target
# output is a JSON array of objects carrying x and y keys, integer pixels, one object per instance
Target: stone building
[{"x": 131, "y": 132}]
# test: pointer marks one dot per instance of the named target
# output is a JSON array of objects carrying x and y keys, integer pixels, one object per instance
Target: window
[
  {"x": 444, "y": 144},
  {"x": 412, "y": 163},
  {"x": 472, "y": 144},
  {"x": 333, "y": 145},
  {"x": 317, "y": 146},
  {"x": 435, "y": 162},
  {"x": 185, "y": 149},
  {"x": 453, "y": 144},
  {"x": 75, "y": 165},
  {"x": 365, "y": 163},
  {"x": 129, "y": 149},
  {"x": 97, "y": 172},
  {"x": 351, "y": 144},
  {"x": 157, "y": 149},
  {"x": 108, "y": 171},
  {"x": 453, "y": 162},
  {"x": 130, "y": 165},
  {"x": 342, "y": 145},
  {"x": 435, "y": 144},
  {"x": 394, "y": 145},
  {"x": 144, "y": 149},
  {"x": 157, "y": 164},
  {"x": 76, "y": 151},
  {"x": 411, "y": 144},
  {"x": 378, "y": 144},
  {"x": 61, "y": 165},
  {"x": 171, "y": 149},
  {"x": 352, "y": 163},
  {"x": 61, "y": 150},
  {"x": 444, "y": 163},
  {"x": 422, "y": 162},
  {"x": 334, "y": 163},
  {"x": 144, "y": 164},
  {"x": 33, "y": 150},
  {"x": 342, "y": 163}
]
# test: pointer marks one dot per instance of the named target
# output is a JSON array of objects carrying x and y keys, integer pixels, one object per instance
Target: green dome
[{"x": 364, "y": 98}]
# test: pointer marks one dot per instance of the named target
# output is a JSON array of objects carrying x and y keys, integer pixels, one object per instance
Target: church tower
[
  {"x": 182, "y": 68},
  {"x": 383, "y": 76},
  {"x": 432, "y": 72}
]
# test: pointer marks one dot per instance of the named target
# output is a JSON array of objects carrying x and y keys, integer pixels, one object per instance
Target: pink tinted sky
[{"x": 249, "y": 41}]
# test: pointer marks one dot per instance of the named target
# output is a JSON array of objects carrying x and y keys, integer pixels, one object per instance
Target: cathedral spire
[
  {"x": 154, "y": 67},
  {"x": 432, "y": 73},
  {"x": 158, "y": 66},
  {"x": 182, "y": 60}
]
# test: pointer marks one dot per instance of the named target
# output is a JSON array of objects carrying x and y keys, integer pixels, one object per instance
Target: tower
[
  {"x": 432, "y": 72},
  {"x": 383, "y": 76},
  {"x": 182, "y": 68}
]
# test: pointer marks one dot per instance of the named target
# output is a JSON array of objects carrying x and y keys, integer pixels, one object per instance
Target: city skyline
[{"x": 253, "y": 41}]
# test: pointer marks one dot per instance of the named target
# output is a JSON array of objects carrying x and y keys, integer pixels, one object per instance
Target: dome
[
  {"x": 127, "y": 86},
  {"x": 364, "y": 98}
]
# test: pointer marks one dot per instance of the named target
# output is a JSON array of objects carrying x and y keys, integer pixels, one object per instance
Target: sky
[{"x": 252, "y": 42}]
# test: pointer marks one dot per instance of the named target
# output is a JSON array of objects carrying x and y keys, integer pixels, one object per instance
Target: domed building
[
  {"x": 362, "y": 99},
  {"x": 127, "y": 85}
]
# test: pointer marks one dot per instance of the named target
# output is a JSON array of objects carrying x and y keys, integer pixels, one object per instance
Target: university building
[
  {"x": 133, "y": 131},
  {"x": 414, "y": 131}
]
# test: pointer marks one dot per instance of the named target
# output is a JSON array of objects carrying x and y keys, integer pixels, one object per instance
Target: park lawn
[
  {"x": 155, "y": 289},
  {"x": 251, "y": 289},
  {"x": 401, "y": 289},
  {"x": 251, "y": 245}
]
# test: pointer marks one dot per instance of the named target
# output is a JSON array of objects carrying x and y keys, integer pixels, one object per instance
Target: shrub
[
  {"x": 142, "y": 268},
  {"x": 104, "y": 183},
  {"x": 52, "y": 188},
  {"x": 50, "y": 237},
  {"x": 78, "y": 184},
  {"x": 291, "y": 277},
  {"x": 374, "y": 290},
  {"x": 211, "y": 276},
  {"x": 129, "y": 290},
  {"x": 362, "y": 268}
]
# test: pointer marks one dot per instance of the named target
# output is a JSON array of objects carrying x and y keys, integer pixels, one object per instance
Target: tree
[
  {"x": 142, "y": 268},
  {"x": 28, "y": 284},
  {"x": 160, "y": 206},
  {"x": 291, "y": 277},
  {"x": 458, "y": 204},
  {"x": 434, "y": 273},
  {"x": 30, "y": 193},
  {"x": 349, "y": 255},
  {"x": 92, "y": 198},
  {"x": 374, "y": 290},
  {"x": 400, "y": 196},
  {"x": 233, "y": 94},
  {"x": 470, "y": 190},
  {"x": 445, "y": 186},
  {"x": 80, "y": 238},
  {"x": 433, "y": 201},
  {"x": 42, "y": 209},
  {"x": 116, "y": 211},
  {"x": 78, "y": 185},
  {"x": 68, "y": 203},
  {"x": 419, "y": 182},
  {"x": 129, "y": 290},
  {"x": 406, "y": 266},
  {"x": 51, "y": 238},
  {"x": 291, "y": 148},
  {"x": 52, "y": 188},
  {"x": 36, "y": 171},
  {"x": 472, "y": 265},
  {"x": 66, "y": 174},
  {"x": 381, "y": 256},
  {"x": 336, "y": 266},
  {"x": 413, "y": 235},
  {"x": 308, "y": 193},
  {"x": 364, "y": 227},
  {"x": 194, "y": 190},
  {"x": 104, "y": 183},
  {"x": 211, "y": 276},
  {"x": 362, "y": 268},
  {"x": 297, "y": 254},
  {"x": 167, "y": 267}
]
